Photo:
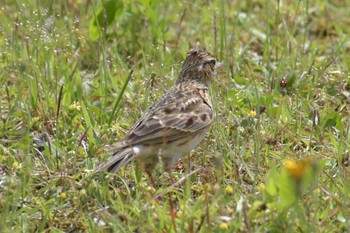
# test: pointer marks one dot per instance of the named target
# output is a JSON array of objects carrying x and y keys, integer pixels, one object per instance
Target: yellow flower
[
  {"x": 63, "y": 195},
  {"x": 252, "y": 113},
  {"x": 223, "y": 226},
  {"x": 75, "y": 106},
  {"x": 36, "y": 119},
  {"x": 297, "y": 169},
  {"x": 261, "y": 187},
  {"x": 229, "y": 189}
]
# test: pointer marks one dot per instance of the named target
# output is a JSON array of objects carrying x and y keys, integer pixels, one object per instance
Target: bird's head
[{"x": 199, "y": 65}]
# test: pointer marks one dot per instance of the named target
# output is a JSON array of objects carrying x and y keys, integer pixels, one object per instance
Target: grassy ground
[{"x": 275, "y": 160}]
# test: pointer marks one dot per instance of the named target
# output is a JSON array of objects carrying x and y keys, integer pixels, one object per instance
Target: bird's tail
[{"x": 117, "y": 160}]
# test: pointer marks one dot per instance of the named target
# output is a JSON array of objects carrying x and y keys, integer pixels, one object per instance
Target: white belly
[{"x": 170, "y": 152}]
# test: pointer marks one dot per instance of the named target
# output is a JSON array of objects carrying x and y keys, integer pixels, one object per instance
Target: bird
[{"x": 174, "y": 125}]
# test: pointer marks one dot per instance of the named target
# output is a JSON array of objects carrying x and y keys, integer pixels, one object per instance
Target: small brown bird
[{"x": 174, "y": 125}]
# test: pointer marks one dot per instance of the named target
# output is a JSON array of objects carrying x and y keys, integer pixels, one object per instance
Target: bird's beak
[{"x": 219, "y": 65}]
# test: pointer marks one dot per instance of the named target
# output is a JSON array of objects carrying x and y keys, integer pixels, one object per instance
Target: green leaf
[
  {"x": 331, "y": 120},
  {"x": 271, "y": 187},
  {"x": 106, "y": 15},
  {"x": 116, "y": 104},
  {"x": 88, "y": 118},
  {"x": 241, "y": 80},
  {"x": 291, "y": 77}
]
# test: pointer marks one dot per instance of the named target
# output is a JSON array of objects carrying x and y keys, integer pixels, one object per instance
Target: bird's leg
[
  {"x": 168, "y": 167},
  {"x": 150, "y": 178},
  {"x": 148, "y": 168}
]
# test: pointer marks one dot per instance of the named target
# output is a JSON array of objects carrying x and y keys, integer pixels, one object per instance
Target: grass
[{"x": 75, "y": 75}]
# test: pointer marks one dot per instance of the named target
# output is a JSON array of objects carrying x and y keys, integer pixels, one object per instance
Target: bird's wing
[{"x": 174, "y": 117}]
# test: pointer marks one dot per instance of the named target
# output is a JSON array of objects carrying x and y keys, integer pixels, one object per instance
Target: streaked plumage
[{"x": 174, "y": 125}]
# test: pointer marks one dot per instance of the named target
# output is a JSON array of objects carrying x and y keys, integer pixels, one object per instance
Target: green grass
[{"x": 73, "y": 79}]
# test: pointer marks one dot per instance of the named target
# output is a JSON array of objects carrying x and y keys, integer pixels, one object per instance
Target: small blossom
[
  {"x": 297, "y": 169},
  {"x": 63, "y": 195},
  {"x": 75, "y": 106},
  {"x": 223, "y": 226},
  {"x": 36, "y": 119},
  {"x": 229, "y": 189},
  {"x": 261, "y": 187},
  {"x": 252, "y": 113},
  {"x": 179, "y": 213}
]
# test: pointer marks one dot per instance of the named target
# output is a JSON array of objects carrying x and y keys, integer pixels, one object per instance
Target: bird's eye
[{"x": 212, "y": 62}]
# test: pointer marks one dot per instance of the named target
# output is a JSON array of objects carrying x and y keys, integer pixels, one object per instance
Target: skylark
[{"x": 174, "y": 125}]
